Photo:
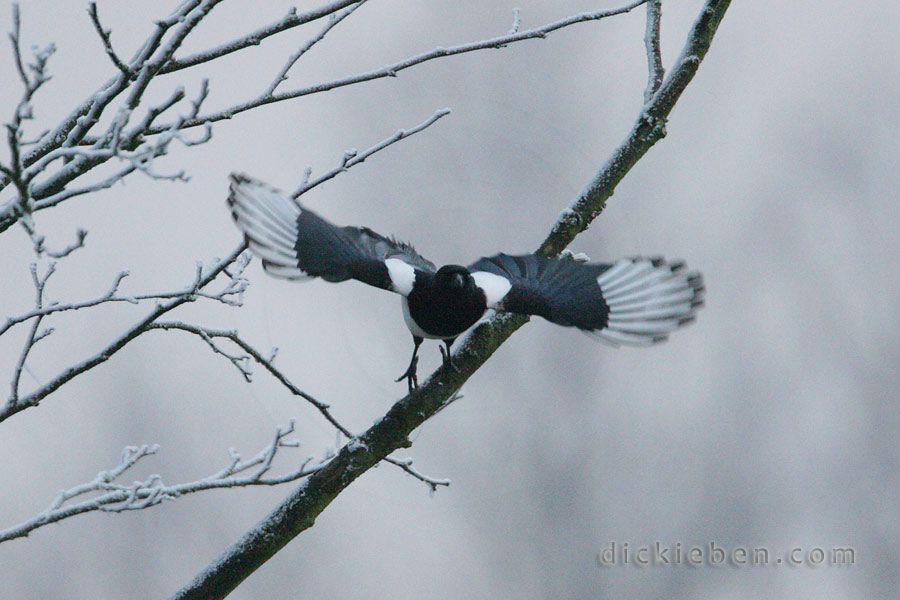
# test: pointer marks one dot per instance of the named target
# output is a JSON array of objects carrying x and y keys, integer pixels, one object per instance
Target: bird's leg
[
  {"x": 410, "y": 374},
  {"x": 445, "y": 354}
]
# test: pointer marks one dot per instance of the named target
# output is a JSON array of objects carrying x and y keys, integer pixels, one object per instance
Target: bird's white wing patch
[
  {"x": 402, "y": 275},
  {"x": 495, "y": 287}
]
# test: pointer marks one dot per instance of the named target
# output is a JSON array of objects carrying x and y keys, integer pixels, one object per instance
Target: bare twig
[
  {"x": 406, "y": 465},
  {"x": 393, "y": 69},
  {"x": 352, "y": 157},
  {"x": 333, "y": 20},
  {"x": 107, "y": 44},
  {"x": 517, "y": 22},
  {"x": 656, "y": 72},
  {"x": 117, "y": 177},
  {"x": 35, "y": 334},
  {"x": 205, "y": 276},
  {"x": 103, "y": 493},
  {"x": 80, "y": 235},
  {"x": 17, "y": 45},
  {"x": 23, "y": 111},
  {"x": 241, "y": 363},
  {"x": 253, "y": 39}
]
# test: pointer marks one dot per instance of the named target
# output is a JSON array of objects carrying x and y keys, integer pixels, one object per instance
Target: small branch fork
[
  {"x": 242, "y": 363},
  {"x": 205, "y": 275},
  {"x": 107, "y": 43},
  {"x": 105, "y": 493}
]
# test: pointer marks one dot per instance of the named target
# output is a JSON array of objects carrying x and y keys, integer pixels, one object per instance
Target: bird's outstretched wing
[
  {"x": 636, "y": 301},
  {"x": 296, "y": 243}
]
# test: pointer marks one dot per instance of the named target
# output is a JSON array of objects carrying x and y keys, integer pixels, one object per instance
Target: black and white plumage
[{"x": 634, "y": 301}]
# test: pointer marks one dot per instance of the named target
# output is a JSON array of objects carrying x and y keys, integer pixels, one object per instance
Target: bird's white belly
[{"x": 411, "y": 324}]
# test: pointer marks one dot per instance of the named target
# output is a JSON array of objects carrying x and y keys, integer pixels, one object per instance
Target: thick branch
[{"x": 300, "y": 509}]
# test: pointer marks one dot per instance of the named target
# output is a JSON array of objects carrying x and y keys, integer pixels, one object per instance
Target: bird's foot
[
  {"x": 447, "y": 359},
  {"x": 410, "y": 375}
]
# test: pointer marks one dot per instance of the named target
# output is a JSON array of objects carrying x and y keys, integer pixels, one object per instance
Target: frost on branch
[{"x": 107, "y": 493}]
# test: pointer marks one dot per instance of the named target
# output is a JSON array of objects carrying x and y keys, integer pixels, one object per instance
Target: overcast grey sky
[{"x": 770, "y": 423}]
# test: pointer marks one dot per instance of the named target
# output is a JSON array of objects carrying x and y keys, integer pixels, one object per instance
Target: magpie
[{"x": 635, "y": 301}]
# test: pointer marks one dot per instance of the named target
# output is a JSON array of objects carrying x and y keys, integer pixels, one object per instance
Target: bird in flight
[{"x": 635, "y": 301}]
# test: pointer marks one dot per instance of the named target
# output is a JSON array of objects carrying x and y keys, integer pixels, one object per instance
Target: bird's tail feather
[{"x": 647, "y": 300}]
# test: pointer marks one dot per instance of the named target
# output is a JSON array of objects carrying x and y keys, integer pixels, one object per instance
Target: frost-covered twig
[
  {"x": 333, "y": 20},
  {"x": 656, "y": 72},
  {"x": 23, "y": 111},
  {"x": 103, "y": 184},
  {"x": 293, "y": 19},
  {"x": 241, "y": 362},
  {"x": 35, "y": 334},
  {"x": 517, "y": 22},
  {"x": 205, "y": 276},
  {"x": 231, "y": 295},
  {"x": 107, "y": 43},
  {"x": 352, "y": 157},
  {"x": 406, "y": 465},
  {"x": 266, "y": 363},
  {"x": 104, "y": 493},
  {"x": 393, "y": 69}
]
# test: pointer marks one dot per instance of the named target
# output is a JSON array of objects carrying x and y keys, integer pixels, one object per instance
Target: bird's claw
[
  {"x": 447, "y": 359},
  {"x": 410, "y": 375}
]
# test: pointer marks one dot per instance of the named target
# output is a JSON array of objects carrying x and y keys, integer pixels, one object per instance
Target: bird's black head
[{"x": 453, "y": 277}]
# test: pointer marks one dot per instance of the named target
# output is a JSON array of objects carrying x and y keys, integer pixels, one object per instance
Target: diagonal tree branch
[{"x": 299, "y": 511}]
